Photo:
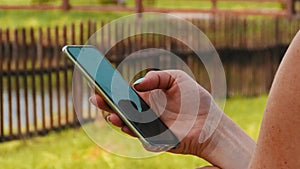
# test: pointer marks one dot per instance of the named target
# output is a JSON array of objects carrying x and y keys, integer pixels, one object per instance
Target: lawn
[
  {"x": 72, "y": 148},
  {"x": 196, "y": 4},
  {"x": 37, "y": 18},
  {"x": 45, "y": 18}
]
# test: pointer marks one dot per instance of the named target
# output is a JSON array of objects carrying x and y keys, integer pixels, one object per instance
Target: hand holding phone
[
  {"x": 177, "y": 87},
  {"x": 122, "y": 99}
]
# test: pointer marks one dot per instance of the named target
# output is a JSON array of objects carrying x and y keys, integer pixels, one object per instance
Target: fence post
[
  {"x": 16, "y": 60},
  {"x": 65, "y": 72},
  {"x": 214, "y": 6},
  {"x": 7, "y": 53},
  {"x": 32, "y": 54},
  {"x": 49, "y": 57},
  {"x": 24, "y": 51},
  {"x": 65, "y": 5},
  {"x": 289, "y": 7},
  {"x": 138, "y": 6},
  {"x": 40, "y": 58},
  {"x": 56, "y": 56}
]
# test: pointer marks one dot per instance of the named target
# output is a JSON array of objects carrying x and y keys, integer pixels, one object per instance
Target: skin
[
  {"x": 178, "y": 88},
  {"x": 278, "y": 143},
  {"x": 229, "y": 147},
  {"x": 170, "y": 83}
]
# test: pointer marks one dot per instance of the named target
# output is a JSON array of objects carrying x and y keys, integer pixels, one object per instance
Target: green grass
[
  {"x": 250, "y": 5},
  {"x": 73, "y": 149},
  {"x": 247, "y": 112},
  {"x": 54, "y": 2},
  {"x": 220, "y": 5},
  {"x": 45, "y": 18},
  {"x": 156, "y": 3},
  {"x": 175, "y": 4},
  {"x": 25, "y": 18}
]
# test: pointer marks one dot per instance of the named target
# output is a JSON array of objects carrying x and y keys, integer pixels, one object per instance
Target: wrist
[{"x": 229, "y": 147}]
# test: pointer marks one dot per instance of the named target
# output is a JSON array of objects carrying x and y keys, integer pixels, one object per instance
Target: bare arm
[
  {"x": 229, "y": 147},
  {"x": 279, "y": 141}
]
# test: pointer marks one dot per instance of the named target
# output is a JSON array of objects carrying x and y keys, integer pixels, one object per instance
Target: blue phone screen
[
  {"x": 105, "y": 75},
  {"x": 122, "y": 95}
]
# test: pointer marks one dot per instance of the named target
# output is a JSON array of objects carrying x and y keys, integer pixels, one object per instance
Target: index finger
[{"x": 155, "y": 80}]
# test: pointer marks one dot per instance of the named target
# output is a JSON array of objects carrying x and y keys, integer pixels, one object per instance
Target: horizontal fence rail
[
  {"x": 36, "y": 79},
  {"x": 286, "y": 7}
]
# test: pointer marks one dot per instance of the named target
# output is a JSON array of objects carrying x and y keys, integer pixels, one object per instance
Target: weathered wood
[{"x": 33, "y": 68}]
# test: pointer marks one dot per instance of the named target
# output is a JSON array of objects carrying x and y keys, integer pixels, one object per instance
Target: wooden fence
[{"x": 36, "y": 79}]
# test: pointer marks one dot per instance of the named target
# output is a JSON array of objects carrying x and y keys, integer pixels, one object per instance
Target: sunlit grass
[
  {"x": 44, "y": 18},
  {"x": 250, "y": 5},
  {"x": 72, "y": 148},
  {"x": 247, "y": 112},
  {"x": 51, "y": 18}
]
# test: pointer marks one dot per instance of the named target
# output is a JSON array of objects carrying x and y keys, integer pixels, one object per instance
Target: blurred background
[{"x": 38, "y": 125}]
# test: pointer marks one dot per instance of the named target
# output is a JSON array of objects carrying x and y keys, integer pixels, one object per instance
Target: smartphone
[{"x": 130, "y": 107}]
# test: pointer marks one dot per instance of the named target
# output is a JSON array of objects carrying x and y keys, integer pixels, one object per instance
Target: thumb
[{"x": 155, "y": 80}]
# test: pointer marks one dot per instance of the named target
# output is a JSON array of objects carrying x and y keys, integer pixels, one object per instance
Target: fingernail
[{"x": 138, "y": 81}]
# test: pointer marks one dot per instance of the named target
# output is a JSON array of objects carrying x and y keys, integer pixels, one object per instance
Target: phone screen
[{"x": 117, "y": 90}]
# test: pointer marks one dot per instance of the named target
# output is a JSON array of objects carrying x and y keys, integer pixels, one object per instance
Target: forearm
[{"x": 229, "y": 147}]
